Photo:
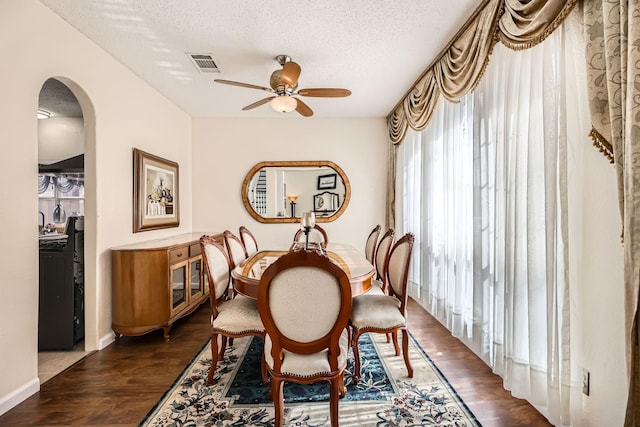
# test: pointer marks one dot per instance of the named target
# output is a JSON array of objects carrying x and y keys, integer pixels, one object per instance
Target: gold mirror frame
[{"x": 279, "y": 220}]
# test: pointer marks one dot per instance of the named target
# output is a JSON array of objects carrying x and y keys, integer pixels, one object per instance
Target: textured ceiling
[
  {"x": 375, "y": 48},
  {"x": 57, "y": 99}
]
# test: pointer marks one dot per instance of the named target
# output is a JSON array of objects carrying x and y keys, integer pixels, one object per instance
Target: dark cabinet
[{"x": 61, "y": 296}]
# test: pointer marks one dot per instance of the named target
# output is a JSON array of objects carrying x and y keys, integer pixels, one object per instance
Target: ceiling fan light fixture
[{"x": 284, "y": 104}]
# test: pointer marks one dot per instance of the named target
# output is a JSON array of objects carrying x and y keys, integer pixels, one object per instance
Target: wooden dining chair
[
  {"x": 230, "y": 318},
  {"x": 304, "y": 300},
  {"x": 248, "y": 241},
  {"x": 235, "y": 248},
  {"x": 317, "y": 235},
  {"x": 372, "y": 243},
  {"x": 386, "y": 313},
  {"x": 379, "y": 285}
]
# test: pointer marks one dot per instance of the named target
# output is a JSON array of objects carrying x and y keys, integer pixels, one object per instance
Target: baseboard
[
  {"x": 17, "y": 396},
  {"x": 106, "y": 340}
]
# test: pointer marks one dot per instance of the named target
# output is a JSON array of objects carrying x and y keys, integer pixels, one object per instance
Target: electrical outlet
[{"x": 586, "y": 377}]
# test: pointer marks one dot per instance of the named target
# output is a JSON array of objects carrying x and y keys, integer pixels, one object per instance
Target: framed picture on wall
[
  {"x": 155, "y": 192},
  {"x": 327, "y": 182}
]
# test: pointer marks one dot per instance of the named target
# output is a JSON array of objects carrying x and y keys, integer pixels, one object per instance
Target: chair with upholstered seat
[
  {"x": 386, "y": 313},
  {"x": 233, "y": 318},
  {"x": 372, "y": 243},
  {"x": 317, "y": 235},
  {"x": 248, "y": 241},
  {"x": 380, "y": 259},
  {"x": 304, "y": 300},
  {"x": 378, "y": 283},
  {"x": 235, "y": 248}
]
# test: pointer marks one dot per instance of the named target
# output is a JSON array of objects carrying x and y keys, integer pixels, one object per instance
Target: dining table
[{"x": 246, "y": 275}]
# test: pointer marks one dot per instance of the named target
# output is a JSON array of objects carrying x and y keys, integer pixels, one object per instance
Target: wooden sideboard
[{"x": 156, "y": 282}]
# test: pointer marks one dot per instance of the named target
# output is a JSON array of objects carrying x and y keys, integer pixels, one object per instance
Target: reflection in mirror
[{"x": 282, "y": 191}]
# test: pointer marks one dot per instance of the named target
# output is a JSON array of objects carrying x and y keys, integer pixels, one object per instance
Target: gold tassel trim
[
  {"x": 483, "y": 70},
  {"x": 602, "y": 144},
  {"x": 547, "y": 31}
]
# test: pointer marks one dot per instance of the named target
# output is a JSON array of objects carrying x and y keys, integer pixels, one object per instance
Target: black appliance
[{"x": 61, "y": 299}]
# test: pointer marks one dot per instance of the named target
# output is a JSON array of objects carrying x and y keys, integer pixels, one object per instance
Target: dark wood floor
[{"x": 120, "y": 384}]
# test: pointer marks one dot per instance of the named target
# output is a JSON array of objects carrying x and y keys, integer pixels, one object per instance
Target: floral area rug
[{"x": 384, "y": 396}]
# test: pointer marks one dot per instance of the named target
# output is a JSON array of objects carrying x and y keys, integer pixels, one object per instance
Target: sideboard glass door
[
  {"x": 178, "y": 286},
  {"x": 196, "y": 282}
]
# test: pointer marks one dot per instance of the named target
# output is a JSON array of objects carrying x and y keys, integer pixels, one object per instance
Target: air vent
[{"x": 204, "y": 62}]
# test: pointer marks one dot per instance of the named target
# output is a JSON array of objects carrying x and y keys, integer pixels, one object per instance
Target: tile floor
[{"x": 51, "y": 363}]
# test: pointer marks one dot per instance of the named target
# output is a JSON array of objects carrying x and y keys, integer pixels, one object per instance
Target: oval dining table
[{"x": 246, "y": 276}]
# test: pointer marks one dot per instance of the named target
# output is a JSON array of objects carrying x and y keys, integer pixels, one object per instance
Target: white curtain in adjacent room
[{"x": 484, "y": 189}]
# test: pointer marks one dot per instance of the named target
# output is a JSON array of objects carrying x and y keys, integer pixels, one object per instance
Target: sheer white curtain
[
  {"x": 484, "y": 188},
  {"x": 437, "y": 206}
]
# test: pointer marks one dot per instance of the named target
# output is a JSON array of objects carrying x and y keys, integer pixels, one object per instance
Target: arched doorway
[{"x": 61, "y": 203}]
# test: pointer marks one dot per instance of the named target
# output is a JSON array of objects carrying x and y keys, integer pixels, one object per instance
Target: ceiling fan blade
[
  {"x": 324, "y": 92},
  {"x": 247, "y": 85},
  {"x": 303, "y": 109},
  {"x": 258, "y": 103},
  {"x": 290, "y": 73}
]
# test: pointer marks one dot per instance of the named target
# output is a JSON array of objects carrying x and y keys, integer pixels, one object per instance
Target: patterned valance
[
  {"x": 518, "y": 24},
  {"x": 528, "y": 23}
]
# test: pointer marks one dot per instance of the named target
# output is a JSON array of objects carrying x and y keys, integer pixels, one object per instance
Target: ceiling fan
[{"x": 284, "y": 86}]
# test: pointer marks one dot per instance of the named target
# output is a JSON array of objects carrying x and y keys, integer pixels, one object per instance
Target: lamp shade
[{"x": 284, "y": 104}]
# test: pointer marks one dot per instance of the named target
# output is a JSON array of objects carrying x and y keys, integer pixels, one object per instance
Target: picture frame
[
  {"x": 327, "y": 182},
  {"x": 326, "y": 202},
  {"x": 155, "y": 192}
]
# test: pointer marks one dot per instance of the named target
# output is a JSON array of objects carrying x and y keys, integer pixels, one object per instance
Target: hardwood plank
[
  {"x": 120, "y": 384},
  {"x": 480, "y": 388}
]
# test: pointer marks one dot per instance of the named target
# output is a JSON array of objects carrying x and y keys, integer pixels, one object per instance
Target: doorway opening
[{"x": 61, "y": 195}]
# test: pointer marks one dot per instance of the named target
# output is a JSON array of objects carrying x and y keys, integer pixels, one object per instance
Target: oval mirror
[{"x": 275, "y": 192}]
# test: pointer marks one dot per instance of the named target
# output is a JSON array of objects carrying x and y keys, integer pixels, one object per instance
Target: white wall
[
  {"x": 599, "y": 302},
  {"x": 120, "y": 112},
  {"x": 224, "y": 150},
  {"x": 125, "y": 113},
  {"x": 60, "y": 138}
]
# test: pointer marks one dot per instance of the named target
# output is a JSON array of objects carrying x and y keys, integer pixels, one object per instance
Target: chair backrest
[
  {"x": 398, "y": 268},
  {"x": 216, "y": 267},
  {"x": 304, "y": 300},
  {"x": 248, "y": 240},
  {"x": 235, "y": 248},
  {"x": 382, "y": 253},
  {"x": 372, "y": 242},
  {"x": 316, "y": 234}
]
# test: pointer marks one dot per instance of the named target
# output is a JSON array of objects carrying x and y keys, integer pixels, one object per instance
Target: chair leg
[
  {"x": 278, "y": 401},
  {"x": 263, "y": 370},
  {"x": 223, "y": 347},
  {"x": 356, "y": 356},
  {"x": 405, "y": 351},
  {"x": 333, "y": 401},
  {"x": 394, "y": 336},
  {"x": 343, "y": 389},
  {"x": 214, "y": 358}
]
